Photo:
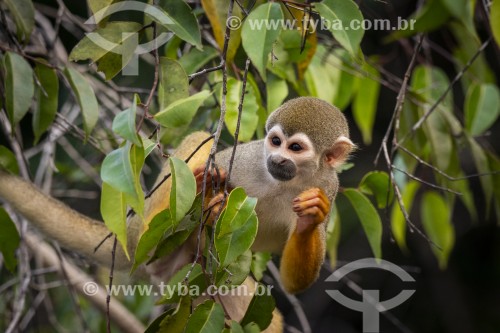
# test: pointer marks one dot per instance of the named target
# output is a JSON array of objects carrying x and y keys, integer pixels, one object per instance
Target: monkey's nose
[{"x": 279, "y": 160}]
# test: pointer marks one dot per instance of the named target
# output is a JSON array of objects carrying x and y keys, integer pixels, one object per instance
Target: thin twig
[{"x": 457, "y": 77}]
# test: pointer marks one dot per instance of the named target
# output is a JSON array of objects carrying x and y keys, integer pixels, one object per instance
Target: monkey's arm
[{"x": 304, "y": 251}]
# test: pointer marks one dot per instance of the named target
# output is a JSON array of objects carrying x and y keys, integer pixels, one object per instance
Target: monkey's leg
[{"x": 305, "y": 249}]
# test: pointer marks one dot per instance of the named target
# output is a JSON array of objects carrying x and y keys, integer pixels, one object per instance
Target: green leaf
[
  {"x": 208, "y": 317},
  {"x": 377, "y": 183},
  {"x": 121, "y": 169},
  {"x": 181, "y": 112},
  {"x": 114, "y": 213},
  {"x": 181, "y": 21},
  {"x": 429, "y": 83},
  {"x": 462, "y": 10},
  {"x": 177, "y": 234},
  {"x": 112, "y": 47},
  {"x": 154, "y": 327},
  {"x": 437, "y": 225},
  {"x": 369, "y": 217},
  {"x": 260, "y": 311},
  {"x": 398, "y": 222},
  {"x": 249, "y": 116},
  {"x": 364, "y": 107},
  {"x": 124, "y": 123},
  {"x": 236, "y": 272},
  {"x": 85, "y": 97},
  {"x": 97, "y": 5},
  {"x": 482, "y": 166},
  {"x": 236, "y": 228},
  {"x": 216, "y": 12},
  {"x": 23, "y": 13},
  {"x": 432, "y": 15},
  {"x": 148, "y": 144},
  {"x": 183, "y": 190},
  {"x": 195, "y": 59},
  {"x": 333, "y": 236},
  {"x": 259, "y": 264},
  {"x": 258, "y": 40},
  {"x": 175, "y": 288},
  {"x": 495, "y": 19},
  {"x": 47, "y": 99},
  {"x": 252, "y": 328},
  {"x": 277, "y": 91},
  {"x": 19, "y": 88},
  {"x": 482, "y": 107},
  {"x": 235, "y": 328},
  {"x": 176, "y": 322},
  {"x": 8, "y": 160},
  {"x": 173, "y": 82},
  {"x": 151, "y": 237},
  {"x": 9, "y": 240},
  {"x": 342, "y": 13}
]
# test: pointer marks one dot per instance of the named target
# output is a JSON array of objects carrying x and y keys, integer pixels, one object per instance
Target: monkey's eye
[
  {"x": 295, "y": 147},
  {"x": 276, "y": 141}
]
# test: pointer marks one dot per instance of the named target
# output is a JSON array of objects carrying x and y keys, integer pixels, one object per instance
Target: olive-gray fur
[{"x": 322, "y": 122}]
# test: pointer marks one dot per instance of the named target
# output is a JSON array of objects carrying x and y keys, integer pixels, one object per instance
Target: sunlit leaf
[
  {"x": 258, "y": 40},
  {"x": 47, "y": 95},
  {"x": 9, "y": 240},
  {"x": 369, "y": 218},
  {"x": 114, "y": 213},
  {"x": 19, "y": 87},
  {"x": 181, "y": 112},
  {"x": 208, "y": 317},
  {"x": 85, "y": 97},
  {"x": 341, "y": 13},
  {"x": 482, "y": 166},
  {"x": 482, "y": 107},
  {"x": 437, "y": 225}
]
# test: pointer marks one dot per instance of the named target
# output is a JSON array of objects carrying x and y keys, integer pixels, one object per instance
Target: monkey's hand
[
  {"x": 213, "y": 201},
  {"x": 213, "y": 179},
  {"x": 305, "y": 249},
  {"x": 311, "y": 206}
]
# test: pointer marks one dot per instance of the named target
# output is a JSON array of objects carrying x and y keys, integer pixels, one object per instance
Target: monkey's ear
[{"x": 339, "y": 152}]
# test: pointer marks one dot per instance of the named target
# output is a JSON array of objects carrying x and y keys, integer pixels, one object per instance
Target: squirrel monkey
[{"x": 292, "y": 172}]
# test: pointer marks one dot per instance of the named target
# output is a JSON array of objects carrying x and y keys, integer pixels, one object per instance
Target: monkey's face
[{"x": 288, "y": 157}]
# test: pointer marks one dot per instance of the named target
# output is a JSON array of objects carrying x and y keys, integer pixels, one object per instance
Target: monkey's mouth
[{"x": 282, "y": 172}]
